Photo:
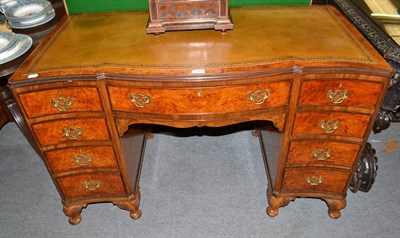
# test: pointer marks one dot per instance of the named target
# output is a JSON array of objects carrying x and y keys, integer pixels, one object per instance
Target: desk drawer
[
  {"x": 60, "y": 100},
  {"x": 331, "y": 123},
  {"x": 88, "y": 157},
  {"x": 91, "y": 185},
  {"x": 340, "y": 92},
  {"x": 199, "y": 100},
  {"x": 313, "y": 180},
  {"x": 322, "y": 153},
  {"x": 70, "y": 130}
]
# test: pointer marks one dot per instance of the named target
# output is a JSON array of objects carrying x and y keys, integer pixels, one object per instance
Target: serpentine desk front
[{"x": 89, "y": 87}]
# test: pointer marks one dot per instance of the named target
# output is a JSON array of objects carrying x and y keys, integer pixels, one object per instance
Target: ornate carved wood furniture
[
  {"x": 85, "y": 99},
  {"x": 167, "y": 15}
]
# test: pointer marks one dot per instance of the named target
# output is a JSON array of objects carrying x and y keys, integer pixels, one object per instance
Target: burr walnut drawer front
[
  {"x": 331, "y": 123},
  {"x": 340, "y": 92},
  {"x": 70, "y": 130},
  {"x": 86, "y": 157},
  {"x": 91, "y": 185},
  {"x": 322, "y": 153},
  {"x": 200, "y": 100},
  {"x": 60, "y": 100},
  {"x": 315, "y": 180}
]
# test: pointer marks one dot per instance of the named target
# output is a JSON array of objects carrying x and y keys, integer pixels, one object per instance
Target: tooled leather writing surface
[{"x": 262, "y": 36}]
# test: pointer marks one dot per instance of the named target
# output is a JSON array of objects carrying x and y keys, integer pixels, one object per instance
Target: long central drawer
[{"x": 199, "y": 100}]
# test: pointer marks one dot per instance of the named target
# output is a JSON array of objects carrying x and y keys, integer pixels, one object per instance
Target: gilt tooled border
[
  {"x": 358, "y": 44},
  {"x": 355, "y": 41},
  {"x": 45, "y": 47},
  {"x": 202, "y": 66}
]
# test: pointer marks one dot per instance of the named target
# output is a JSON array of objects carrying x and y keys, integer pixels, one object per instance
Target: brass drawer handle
[
  {"x": 91, "y": 185},
  {"x": 140, "y": 100},
  {"x": 259, "y": 96},
  {"x": 314, "y": 180},
  {"x": 72, "y": 133},
  {"x": 329, "y": 126},
  {"x": 338, "y": 96},
  {"x": 82, "y": 159},
  {"x": 62, "y": 104},
  {"x": 321, "y": 154}
]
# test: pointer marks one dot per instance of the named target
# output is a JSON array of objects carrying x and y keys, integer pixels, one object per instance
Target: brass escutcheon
[
  {"x": 72, "y": 133},
  {"x": 259, "y": 96},
  {"x": 82, "y": 159},
  {"x": 92, "y": 185},
  {"x": 329, "y": 126},
  {"x": 62, "y": 104},
  {"x": 314, "y": 180},
  {"x": 140, "y": 100},
  {"x": 321, "y": 154},
  {"x": 338, "y": 96}
]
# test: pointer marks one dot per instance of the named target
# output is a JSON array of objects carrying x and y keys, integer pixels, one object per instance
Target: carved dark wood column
[{"x": 364, "y": 176}]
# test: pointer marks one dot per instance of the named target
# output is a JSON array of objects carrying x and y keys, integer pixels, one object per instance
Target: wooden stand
[{"x": 188, "y": 15}]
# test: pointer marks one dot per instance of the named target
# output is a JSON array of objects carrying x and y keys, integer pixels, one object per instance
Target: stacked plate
[
  {"x": 13, "y": 45},
  {"x": 27, "y": 14},
  {"x": 4, "y": 4}
]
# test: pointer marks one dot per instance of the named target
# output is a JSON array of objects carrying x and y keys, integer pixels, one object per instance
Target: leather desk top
[{"x": 263, "y": 38}]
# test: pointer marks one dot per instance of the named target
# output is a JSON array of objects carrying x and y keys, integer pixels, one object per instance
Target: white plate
[
  {"x": 23, "y": 45},
  {"x": 25, "y": 11},
  {"x": 4, "y": 4},
  {"x": 24, "y": 25},
  {"x": 7, "y": 40},
  {"x": 4, "y": 43},
  {"x": 28, "y": 10}
]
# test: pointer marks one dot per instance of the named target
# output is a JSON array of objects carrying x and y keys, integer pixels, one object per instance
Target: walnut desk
[{"x": 89, "y": 87}]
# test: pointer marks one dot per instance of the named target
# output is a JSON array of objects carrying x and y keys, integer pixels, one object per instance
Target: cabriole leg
[
  {"x": 275, "y": 203},
  {"x": 334, "y": 207},
  {"x": 74, "y": 213},
  {"x": 132, "y": 206}
]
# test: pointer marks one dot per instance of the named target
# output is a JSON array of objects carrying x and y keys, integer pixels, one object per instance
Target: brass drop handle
[
  {"x": 140, "y": 100},
  {"x": 258, "y": 97},
  {"x": 321, "y": 154},
  {"x": 91, "y": 185},
  {"x": 62, "y": 104},
  {"x": 82, "y": 159},
  {"x": 338, "y": 96},
  {"x": 329, "y": 126},
  {"x": 314, "y": 180},
  {"x": 72, "y": 133}
]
